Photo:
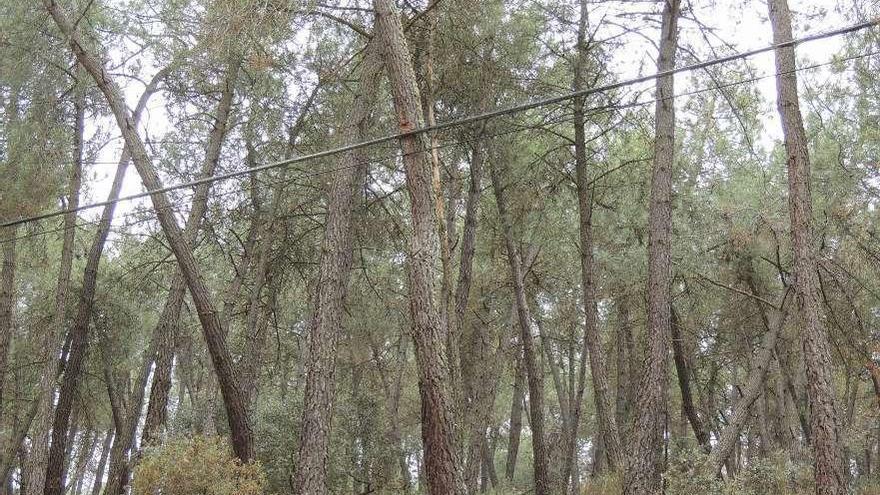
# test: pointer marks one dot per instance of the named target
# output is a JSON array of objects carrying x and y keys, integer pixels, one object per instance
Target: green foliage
[
  {"x": 776, "y": 474},
  {"x": 198, "y": 465}
]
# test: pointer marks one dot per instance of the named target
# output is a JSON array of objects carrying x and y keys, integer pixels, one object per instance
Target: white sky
[{"x": 742, "y": 24}]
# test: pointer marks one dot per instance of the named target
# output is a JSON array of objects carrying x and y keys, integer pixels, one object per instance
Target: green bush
[{"x": 200, "y": 465}]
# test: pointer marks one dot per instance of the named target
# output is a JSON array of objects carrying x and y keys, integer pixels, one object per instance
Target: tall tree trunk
[
  {"x": 825, "y": 441},
  {"x": 212, "y": 327},
  {"x": 333, "y": 275},
  {"x": 438, "y": 434},
  {"x": 426, "y": 91},
  {"x": 592, "y": 344},
  {"x": 62, "y": 411},
  {"x": 644, "y": 465},
  {"x": 534, "y": 372},
  {"x": 625, "y": 349},
  {"x": 166, "y": 328},
  {"x": 469, "y": 375}
]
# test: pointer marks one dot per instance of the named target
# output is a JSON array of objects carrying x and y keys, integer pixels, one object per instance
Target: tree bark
[
  {"x": 644, "y": 465},
  {"x": 773, "y": 324},
  {"x": 212, "y": 327},
  {"x": 333, "y": 274},
  {"x": 683, "y": 371},
  {"x": 592, "y": 346},
  {"x": 166, "y": 329},
  {"x": 534, "y": 373},
  {"x": 102, "y": 462},
  {"x": 828, "y": 465},
  {"x": 438, "y": 434},
  {"x": 516, "y": 410},
  {"x": 38, "y": 459}
]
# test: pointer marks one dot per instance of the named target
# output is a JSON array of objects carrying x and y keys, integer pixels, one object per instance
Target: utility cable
[{"x": 459, "y": 122}]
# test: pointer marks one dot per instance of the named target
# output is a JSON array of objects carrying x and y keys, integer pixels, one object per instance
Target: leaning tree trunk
[
  {"x": 212, "y": 327},
  {"x": 592, "y": 344},
  {"x": 683, "y": 371},
  {"x": 773, "y": 323},
  {"x": 333, "y": 275},
  {"x": 644, "y": 465},
  {"x": 161, "y": 346},
  {"x": 534, "y": 373},
  {"x": 438, "y": 434},
  {"x": 824, "y": 435},
  {"x": 42, "y": 462},
  {"x": 165, "y": 330}
]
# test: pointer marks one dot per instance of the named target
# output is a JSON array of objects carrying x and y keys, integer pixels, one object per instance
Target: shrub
[{"x": 200, "y": 465}]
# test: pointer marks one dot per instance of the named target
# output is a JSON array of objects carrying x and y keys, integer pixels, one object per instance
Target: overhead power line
[{"x": 459, "y": 122}]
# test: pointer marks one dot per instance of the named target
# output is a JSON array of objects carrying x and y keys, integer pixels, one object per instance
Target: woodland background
[{"x": 669, "y": 286}]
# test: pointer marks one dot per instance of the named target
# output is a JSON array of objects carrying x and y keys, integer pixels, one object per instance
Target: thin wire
[
  {"x": 396, "y": 155},
  {"x": 459, "y": 122}
]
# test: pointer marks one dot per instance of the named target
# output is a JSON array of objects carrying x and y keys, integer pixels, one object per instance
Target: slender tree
[
  {"x": 534, "y": 371},
  {"x": 644, "y": 465},
  {"x": 824, "y": 435},
  {"x": 591, "y": 341},
  {"x": 438, "y": 435},
  {"x": 327, "y": 323}
]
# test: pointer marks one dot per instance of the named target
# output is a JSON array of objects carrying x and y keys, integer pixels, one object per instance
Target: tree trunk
[
  {"x": 516, "y": 410},
  {"x": 592, "y": 346},
  {"x": 684, "y": 385},
  {"x": 426, "y": 61},
  {"x": 7, "y": 299},
  {"x": 333, "y": 275},
  {"x": 212, "y": 327},
  {"x": 166, "y": 329},
  {"x": 644, "y": 465},
  {"x": 534, "y": 373},
  {"x": 625, "y": 357},
  {"x": 102, "y": 462},
  {"x": 828, "y": 465},
  {"x": 773, "y": 324},
  {"x": 38, "y": 459},
  {"x": 438, "y": 435},
  {"x": 470, "y": 366}
]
